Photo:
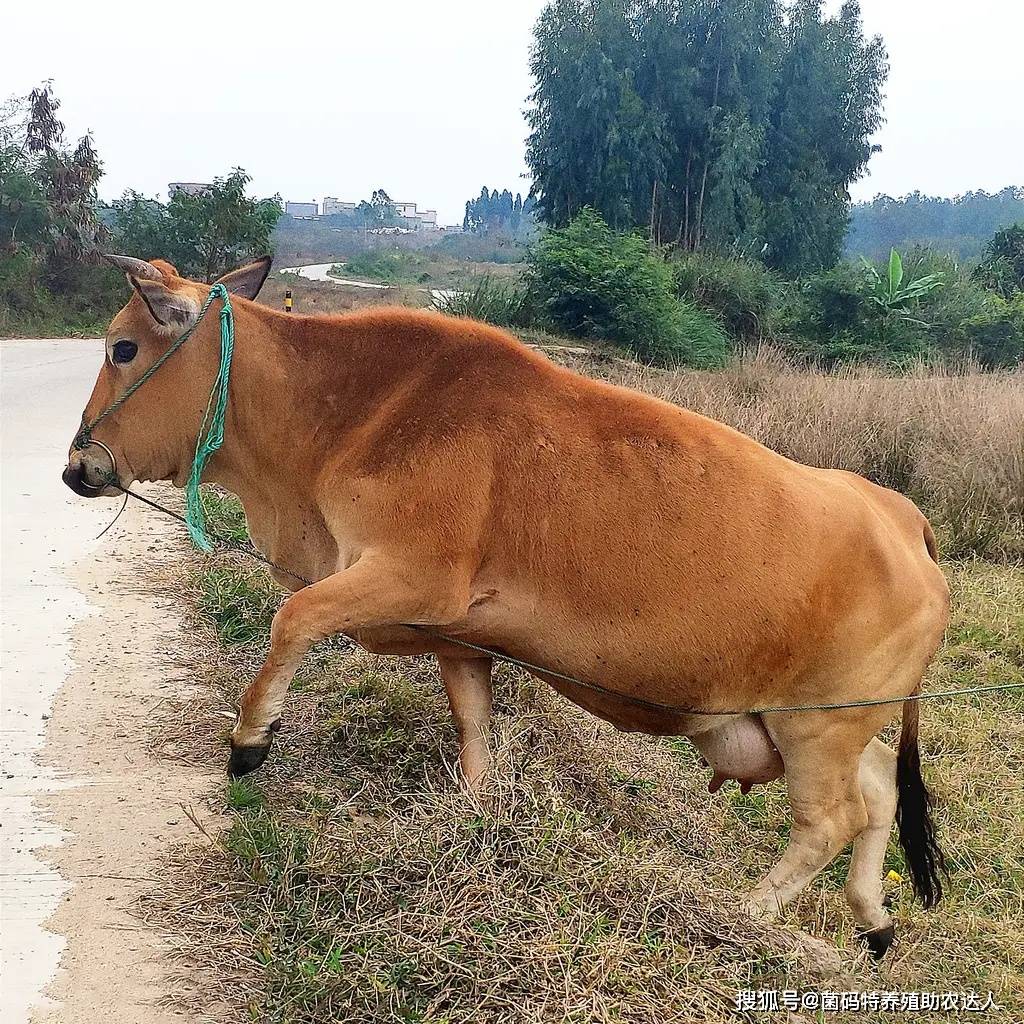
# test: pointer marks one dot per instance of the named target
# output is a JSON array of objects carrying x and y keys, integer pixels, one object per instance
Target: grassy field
[
  {"x": 356, "y": 883},
  {"x": 429, "y": 269}
]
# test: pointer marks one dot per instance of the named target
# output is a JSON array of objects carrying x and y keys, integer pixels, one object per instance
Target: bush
[
  {"x": 831, "y": 319},
  {"x": 590, "y": 281},
  {"x": 995, "y": 337},
  {"x": 502, "y": 303},
  {"x": 965, "y": 319},
  {"x": 835, "y": 301},
  {"x": 377, "y": 265},
  {"x": 90, "y": 295},
  {"x": 746, "y": 295},
  {"x": 1002, "y": 267}
]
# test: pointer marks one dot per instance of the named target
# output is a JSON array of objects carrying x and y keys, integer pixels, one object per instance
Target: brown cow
[{"x": 432, "y": 471}]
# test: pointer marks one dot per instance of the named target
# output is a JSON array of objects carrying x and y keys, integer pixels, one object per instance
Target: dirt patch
[{"x": 132, "y": 793}]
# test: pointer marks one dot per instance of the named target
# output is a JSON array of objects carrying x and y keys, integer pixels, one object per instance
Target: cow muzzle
[{"x": 91, "y": 470}]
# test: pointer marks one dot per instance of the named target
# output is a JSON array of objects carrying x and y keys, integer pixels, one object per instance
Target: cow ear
[
  {"x": 248, "y": 280},
  {"x": 169, "y": 308}
]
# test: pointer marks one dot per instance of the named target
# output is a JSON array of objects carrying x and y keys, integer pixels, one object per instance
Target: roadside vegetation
[
  {"x": 356, "y": 882},
  {"x": 699, "y": 308},
  {"x": 53, "y": 228}
]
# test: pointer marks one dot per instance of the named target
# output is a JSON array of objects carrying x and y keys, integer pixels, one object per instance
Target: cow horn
[{"x": 135, "y": 268}]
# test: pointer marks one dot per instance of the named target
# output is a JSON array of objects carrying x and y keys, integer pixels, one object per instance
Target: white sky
[{"x": 338, "y": 98}]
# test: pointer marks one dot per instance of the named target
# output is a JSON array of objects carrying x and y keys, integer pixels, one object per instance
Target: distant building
[
  {"x": 301, "y": 209},
  {"x": 422, "y": 220},
  {"x": 189, "y": 188},
  {"x": 332, "y": 205}
]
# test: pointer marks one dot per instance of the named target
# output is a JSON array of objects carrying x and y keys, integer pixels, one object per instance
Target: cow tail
[{"x": 921, "y": 850}]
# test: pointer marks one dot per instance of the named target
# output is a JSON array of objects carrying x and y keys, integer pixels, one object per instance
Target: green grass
[{"x": 502, "y": 303}]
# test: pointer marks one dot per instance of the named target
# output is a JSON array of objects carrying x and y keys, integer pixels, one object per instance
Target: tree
[
  {"x": 1002, "y": 265},
  {"x": 826, "y": 106},
  {"x": 383, "y": 206},
  {"x": 48, "y": 202},
  {"x": 142, "y": 227},
  {"x": 734, "y": 124},
  {"x": 220, "y": 227},
  {"x": 204, "y": 234},
  {"x": 24, "y": 214},
  {"x": 961, "y": 225},
  {"x": 498, "y": 212}
]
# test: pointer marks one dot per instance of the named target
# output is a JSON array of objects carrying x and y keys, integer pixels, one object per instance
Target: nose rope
[{"x": 211, "y": 430}]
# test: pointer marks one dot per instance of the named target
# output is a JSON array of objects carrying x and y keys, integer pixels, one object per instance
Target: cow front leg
[
  {"x": 467, "y": 681},
  {"x": 371, "y": 593}
]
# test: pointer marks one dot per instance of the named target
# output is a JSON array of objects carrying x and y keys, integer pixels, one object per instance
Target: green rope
[
  {"x": 211, "y": 430},
  {"x": 214, "y": 434}
]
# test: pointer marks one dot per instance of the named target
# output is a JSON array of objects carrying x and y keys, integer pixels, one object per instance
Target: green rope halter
[{"x": 211, "y": 430}]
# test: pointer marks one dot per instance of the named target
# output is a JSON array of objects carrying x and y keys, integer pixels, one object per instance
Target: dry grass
[
  {"x": 354, "y": 882},
  {"x": 326, "y": 297}
]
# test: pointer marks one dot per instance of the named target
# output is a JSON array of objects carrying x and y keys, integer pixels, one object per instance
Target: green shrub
[
  {"x": 502, "y": 303},
  {"x": 746, "y": 295},
  {"x": 89, "y": 296},
  {"x": 823, "y": 317},
  {"x": 378, "y": 265},
  {"x": 966, "y": 319},
  {"x": 835, "y": 301},
  {"x": 1002, "y": 266},
  {"x": 835, "y": 316},
  {"x": 995, "y": 337},
  {"x": 590, "y": 281}
]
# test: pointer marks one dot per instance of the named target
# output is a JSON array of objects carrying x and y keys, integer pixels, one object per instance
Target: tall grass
[{"x": 502, "y": 303}]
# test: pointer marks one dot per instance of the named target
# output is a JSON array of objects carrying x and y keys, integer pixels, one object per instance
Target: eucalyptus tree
[{"x": 737, "y": 124}]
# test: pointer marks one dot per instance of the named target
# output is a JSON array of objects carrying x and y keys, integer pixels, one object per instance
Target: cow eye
[{"x": 124, "y": 351}]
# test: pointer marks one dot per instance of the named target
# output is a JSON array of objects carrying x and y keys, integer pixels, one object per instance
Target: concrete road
[
  {"x": 82, "y": 680},
  {"x": 45, "y": 385}
]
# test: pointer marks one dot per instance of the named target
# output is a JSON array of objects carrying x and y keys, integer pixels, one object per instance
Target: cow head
[{"x": 153, "y": 435}]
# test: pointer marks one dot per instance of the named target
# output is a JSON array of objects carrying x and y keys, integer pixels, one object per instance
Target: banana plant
[{"x": 891, "y": 295}]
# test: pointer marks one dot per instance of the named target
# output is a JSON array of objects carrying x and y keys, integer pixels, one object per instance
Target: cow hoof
[
  {"x": 275, "y": 725},
  {"x": 878, "y": 940},
  {"x": 246, "y": 759}
]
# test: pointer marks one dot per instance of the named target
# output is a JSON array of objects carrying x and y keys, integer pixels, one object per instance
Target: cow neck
[{"x": 264, "y": 447}]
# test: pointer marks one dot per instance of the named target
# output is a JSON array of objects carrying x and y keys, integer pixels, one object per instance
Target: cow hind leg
[
  {"x": 877, "y": 778},
  {"x": 822, "y": 761},
  {"x": 467, "y": 681}
]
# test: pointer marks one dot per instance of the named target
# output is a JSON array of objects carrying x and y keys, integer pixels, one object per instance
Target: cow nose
[{"x": 73, "y": 476}]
